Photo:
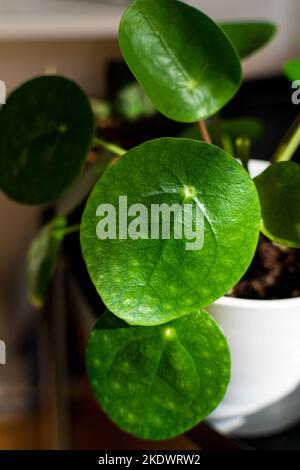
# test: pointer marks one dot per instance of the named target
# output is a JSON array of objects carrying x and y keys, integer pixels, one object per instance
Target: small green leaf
[
  {"x": 47, "y": 127},
  {"x": 132, "y": 103},
  {"x": 292, "y": 70},
  {"x": 279, "y": 192},
  {"x": 158, "y": 382},
  {"x": 102, "y": 109},
  {"x": 174, "y": 52},
  {"x": 247, "y": 126},
  {"x": 42, "y": 259},
  {"x": 148, "y": 281},
  {"x": 249, "y": 37}
]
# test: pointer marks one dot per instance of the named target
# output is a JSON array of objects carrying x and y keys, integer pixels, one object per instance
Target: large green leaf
[
  {"x": 279, "y": 191},
  {"x": 42, "y": 259},
  {"x": 150, "y": 281},
  {"x": 47, "y": 128},
  {"x": 184, "y": 61},
  {"x": 248, "y": 37},
  {"x": 292, "y": 70},
  {"x": 158, "y": 382}
]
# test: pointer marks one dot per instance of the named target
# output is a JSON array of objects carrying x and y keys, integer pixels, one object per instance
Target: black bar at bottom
[{"x": 131, "y": 459}]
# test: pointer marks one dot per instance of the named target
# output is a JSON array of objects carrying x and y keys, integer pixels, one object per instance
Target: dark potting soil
[{"x": 273, "y": 274}]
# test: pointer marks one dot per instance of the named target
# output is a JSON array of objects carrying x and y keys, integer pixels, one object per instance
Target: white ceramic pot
[{"x": 264, "y": 338}]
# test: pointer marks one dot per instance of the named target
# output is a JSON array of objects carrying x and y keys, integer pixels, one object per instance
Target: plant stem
[
  {"x": 204, "y": 132},
  {"x": 243, "y": 146},
  {"x": 72, "y": 229},
  {"x": 289, "y": 143},
  {"x": 103, "y": 144},
  {"x": 227, "y": 144}
]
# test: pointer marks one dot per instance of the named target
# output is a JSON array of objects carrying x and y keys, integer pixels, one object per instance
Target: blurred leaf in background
[
  {"x": 292, "y": 70},
  {"x": 247, "y": 126},
  {"x": 249, "y": 37},
  {"x": 42, "y": 259},
  {"x": 131, "y": 103}
]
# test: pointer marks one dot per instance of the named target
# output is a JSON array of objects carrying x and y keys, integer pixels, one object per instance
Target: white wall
[
  {"x": 285, "y": 13},
  {"x": 82, "y": 60}
]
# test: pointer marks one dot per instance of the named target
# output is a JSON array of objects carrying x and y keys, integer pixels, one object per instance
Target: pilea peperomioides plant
[{"x": 157, "y": 362}]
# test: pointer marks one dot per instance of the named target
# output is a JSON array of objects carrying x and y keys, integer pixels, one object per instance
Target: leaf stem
[
  {"x": 204, "y": 131},
  {"x": 103, "y": 144},
  {"x": 289, "y": 143},
  {"x": 72, "y": 229},
  {"x": 227, "y": 144},
  {"x": 243, "y": 147}
]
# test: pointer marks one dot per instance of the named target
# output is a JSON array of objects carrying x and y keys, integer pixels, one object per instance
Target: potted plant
[{"x": 170, "y": 227}]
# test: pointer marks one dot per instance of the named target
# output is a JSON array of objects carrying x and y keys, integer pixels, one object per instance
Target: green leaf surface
[
  {"x": 279, "y": 191},
  {"x": 248, "y": 126},
  {"x": 42, "y": 259},
  {"x": 47, "y": 127},
  {"x": 150, "y": 281},
  {"x": 158, "y": 382},
  {"x": 174, "y": 52},
  {"x": 292, "y": 70},
  {"x": 248, "y": 37},
  {"x": 131, "y": 102}
]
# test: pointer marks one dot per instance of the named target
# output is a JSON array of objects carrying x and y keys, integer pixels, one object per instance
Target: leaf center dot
[
  {"x": 169, "y": 333},
  {"x": 188, "y": 193}
]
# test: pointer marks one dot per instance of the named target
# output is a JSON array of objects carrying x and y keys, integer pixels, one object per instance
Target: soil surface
[{"x": 274, "y": 274}]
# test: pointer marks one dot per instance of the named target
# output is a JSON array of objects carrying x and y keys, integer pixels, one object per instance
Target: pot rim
[{"x": 257, "y": 303}]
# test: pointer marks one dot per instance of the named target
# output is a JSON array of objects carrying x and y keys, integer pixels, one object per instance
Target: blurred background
[{"x": 78, "y": 39}]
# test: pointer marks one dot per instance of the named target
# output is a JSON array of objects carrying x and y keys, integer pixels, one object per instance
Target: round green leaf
[
  {"x": 249, "y": 37},
  {"x": 47, "y": 127},
  {"x": 148, "y": 281},
  {"x": 292, "y": 70},
  {"x": 158, "y": 382},
  {"x": 279, "y": 192},
  {"x": 42, "y": 259},
  {"x": 174, "y": 52}
]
